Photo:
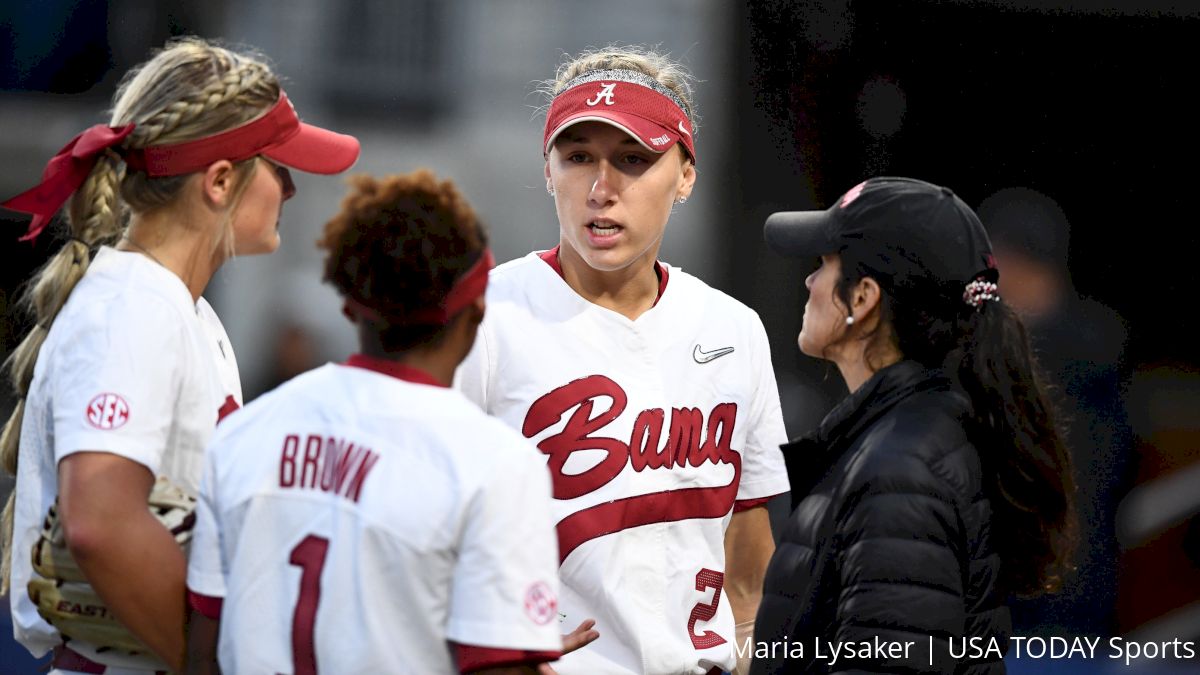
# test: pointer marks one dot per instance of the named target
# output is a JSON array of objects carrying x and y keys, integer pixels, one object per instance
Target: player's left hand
[{"x": 582, "y": 636}]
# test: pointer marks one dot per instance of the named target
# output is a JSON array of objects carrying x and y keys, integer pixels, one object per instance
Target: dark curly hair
[{"x": 397, "y": 245}]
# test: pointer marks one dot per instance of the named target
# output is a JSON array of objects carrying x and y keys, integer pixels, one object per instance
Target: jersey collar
[
  {"x": 169, "y": 282},
  {"x": 551, "y": 259},
  {"x": 393, "y": 368}
]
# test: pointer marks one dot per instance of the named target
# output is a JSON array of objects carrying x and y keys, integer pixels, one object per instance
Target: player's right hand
[{"x": 582, "y": 636}]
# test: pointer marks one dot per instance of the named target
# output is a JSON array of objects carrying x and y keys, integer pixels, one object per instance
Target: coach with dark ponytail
[{"x": 941, "y": 484}]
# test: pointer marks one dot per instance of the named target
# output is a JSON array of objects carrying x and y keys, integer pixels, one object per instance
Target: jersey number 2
[
  {"x": 706, "y": 579},
  {"x": 309, "y": 556}
]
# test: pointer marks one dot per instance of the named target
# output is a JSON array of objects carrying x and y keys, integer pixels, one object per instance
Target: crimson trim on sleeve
[
  {"x": 205, "y": 605},
  {"x": 747, "y": 504},
  {"x": 228, "y": 407},
  {"x": 471, "y": 658}
]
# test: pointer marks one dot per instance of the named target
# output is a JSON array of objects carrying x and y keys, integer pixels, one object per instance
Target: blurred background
[{"x": 1068, "y": 125}]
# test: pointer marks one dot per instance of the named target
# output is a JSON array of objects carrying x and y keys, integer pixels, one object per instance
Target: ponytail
[
  {"x": 1027, "y": 470},
  {"x": 96, "y": 218},
  {"x": 1026, "y": 463},
  {"x": 190, "y": 89}
]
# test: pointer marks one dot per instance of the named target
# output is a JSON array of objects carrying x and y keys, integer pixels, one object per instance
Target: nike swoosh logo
[
  {"x": 702, "y": 356},
  {"x": 684, "y": 131}
]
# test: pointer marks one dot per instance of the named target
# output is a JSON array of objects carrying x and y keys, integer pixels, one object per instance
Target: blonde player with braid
[
  {"x": 127, "y": 370},
  {"x": 650, "y": 393}
]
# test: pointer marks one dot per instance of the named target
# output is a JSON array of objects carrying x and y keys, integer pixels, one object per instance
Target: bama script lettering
[{"x": 691, "y": 441}]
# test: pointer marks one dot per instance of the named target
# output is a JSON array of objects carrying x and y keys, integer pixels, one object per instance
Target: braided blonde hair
[
  {"x": 189, "y": 89},
  {"x": 647, "y": 61}
]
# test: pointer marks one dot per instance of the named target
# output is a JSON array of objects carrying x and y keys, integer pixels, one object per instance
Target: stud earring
[
  {"x": 850, "y": 321},
  {"x": 550, "y": 189},
  {"x": 680, "y": 200}
]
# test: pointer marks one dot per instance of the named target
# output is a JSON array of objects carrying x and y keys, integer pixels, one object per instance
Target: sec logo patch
[
  {"x": 107, "y": 412},
  {"x": 540, "y": 604}
]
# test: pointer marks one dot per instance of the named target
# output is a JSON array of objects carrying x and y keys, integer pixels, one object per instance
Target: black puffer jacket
[{"x": 891, "y": 543}]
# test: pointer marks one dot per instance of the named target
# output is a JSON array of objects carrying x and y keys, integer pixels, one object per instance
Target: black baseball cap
[{"x": 910, "y": 230}]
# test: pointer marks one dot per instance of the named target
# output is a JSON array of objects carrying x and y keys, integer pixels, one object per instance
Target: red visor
[
  {"x": 278, "y": 135},
  {"x": 469, "y": 286},
  {"x": 643, "y": 113}
]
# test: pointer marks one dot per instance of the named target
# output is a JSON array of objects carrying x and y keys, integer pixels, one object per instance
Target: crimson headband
[
  {"x": 627, "y": 99},
  {"x": 279, "y": 135},
  {"x": 279, "y": 124},
  {"x": 469, "y": 286}
]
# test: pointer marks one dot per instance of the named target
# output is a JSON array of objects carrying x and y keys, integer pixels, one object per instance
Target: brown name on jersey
[{"x": 325, "y": 463}]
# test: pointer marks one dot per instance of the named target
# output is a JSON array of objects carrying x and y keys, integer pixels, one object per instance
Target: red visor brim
[
  {"x": 651, "y": 118},
  {"x": 315, "y": 150},
  {"x": 651, "y": 135},
  {"x": 278, "y": 134}
]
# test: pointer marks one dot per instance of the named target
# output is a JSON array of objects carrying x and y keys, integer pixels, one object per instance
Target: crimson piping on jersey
[
  {"x": 660, "y": 270},
  {"x": 395, "y": 369},
  {"x": 205, "y": 605},
  {"x": 471, "y": 658}
]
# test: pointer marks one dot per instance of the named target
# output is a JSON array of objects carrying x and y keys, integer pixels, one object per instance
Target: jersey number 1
[
  {"x": 706, "y": 579},
  {"x": 309, "y": 556}
]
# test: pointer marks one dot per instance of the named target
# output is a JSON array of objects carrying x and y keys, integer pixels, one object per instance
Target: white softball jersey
[
  {"x": 654, "y": 431},
  {"x": 131, "y": 366},
  {"x": 362, "y": 519}
]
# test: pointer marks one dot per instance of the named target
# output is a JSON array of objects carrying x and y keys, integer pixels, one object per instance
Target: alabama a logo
[{"x": 605, "y": 94}]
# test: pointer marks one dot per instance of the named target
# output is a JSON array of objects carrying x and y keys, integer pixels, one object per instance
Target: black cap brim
[{"x": 800, "y": 234}]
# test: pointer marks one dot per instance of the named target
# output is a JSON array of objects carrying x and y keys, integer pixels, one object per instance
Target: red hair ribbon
[
  {"x": 277, "y": 134},
  {"x": 64, "y": 173}
]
